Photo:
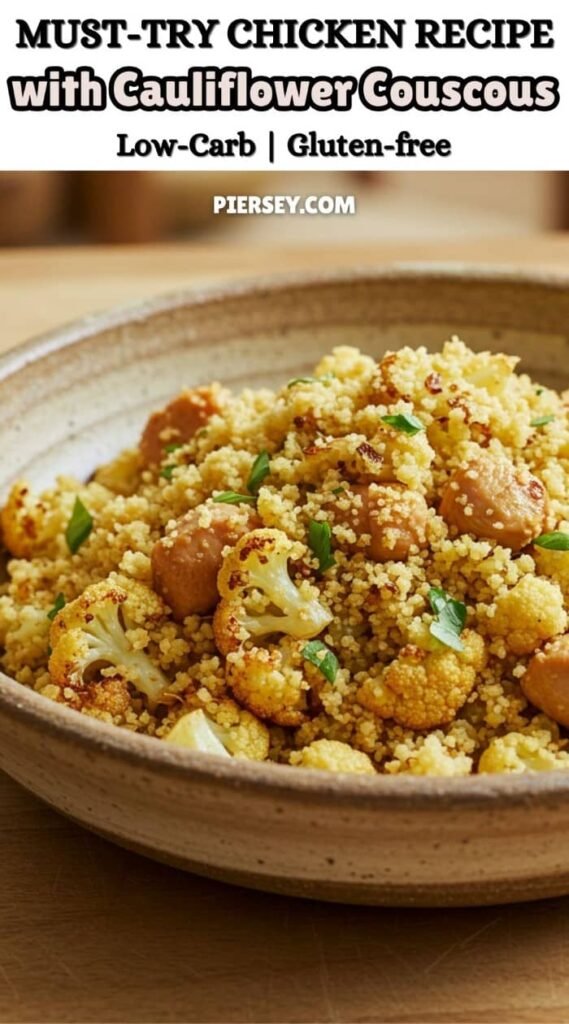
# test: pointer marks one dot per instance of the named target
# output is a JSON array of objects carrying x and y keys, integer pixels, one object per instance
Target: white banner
[{"x": 430, "y": 84}]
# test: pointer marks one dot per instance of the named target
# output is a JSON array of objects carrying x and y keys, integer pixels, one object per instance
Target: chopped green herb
[
  {"x": 323, "y": 658},
  {"x": 325, "y": 379},
  {"x": 172, "y": 448},
  {"x": 541, "y": 421},
  {"x": 539, "y": 391},
  {"x": 339, "y": 490},
  {"x": 79, "y": 526},
  {"x": 556, "y": 541},
  {"x": 450, "y": 618},
  {"x": 405, "y": 422},
  {"x": 320, "y": 542},
  {"x": 260, "y": 469},
  {"x": 232, "y": 498},
  {"x": 59, "y": 603},
  {"x": 166, "y": 471}
]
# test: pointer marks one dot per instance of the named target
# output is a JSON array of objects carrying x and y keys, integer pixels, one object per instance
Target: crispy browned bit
[
  {"x": 369, "y": 454},
  {"x": 546, "y": 680},
  {"x": 460, "y": 402},
  {"x": 481, "y": 433},
  {"x": 393, "y": 516},
  {"x": 384, "y": 390},
  {"x": 492, "y": 499},
  {"x": 186, "y": 562},
  {"x": 434, "y": 384},
  {"x": 178, "y": 422},
  {"x": 316, "y": 449}
]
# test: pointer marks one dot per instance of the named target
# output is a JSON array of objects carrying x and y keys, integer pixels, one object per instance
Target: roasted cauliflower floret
[
  {"x": 423, "y": 690},
  {"x": 258, "y": 596},
  {"x": 520, "y": 752},
  {"x": 528, "y": 614},
  {"x": 28, "y": 522},
  {"x": 276, "y": 683},
  {"x": 196, "y": 731},
  {"x": 333, "y": 756},
  {"x": 233, "y": 732},
  {"x": 89, "y": 635},
  {"x": 431, "y": 757},
  {"x": 26, "y": 639}
]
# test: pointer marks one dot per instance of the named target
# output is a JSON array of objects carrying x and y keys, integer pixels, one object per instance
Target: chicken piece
[
  {"x": 392, "y": 515},
  {"x": 492, "y": 499},
  {"x": 546, "y": 680},
  {"x": 185, "y": 562},
  {"x": 178, "y": 421}
]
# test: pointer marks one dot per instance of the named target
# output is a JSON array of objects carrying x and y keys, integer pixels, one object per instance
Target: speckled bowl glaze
[{"x": 72, "y": 399}]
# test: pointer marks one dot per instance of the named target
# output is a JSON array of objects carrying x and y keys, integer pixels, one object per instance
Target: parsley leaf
[
  {"x": 320, "y": 543},
  {"x": 172, "y": 448},
  {"x": 541, "y": 421},
  {"x": 325, "y": 379},
  {"x": 79, "y": 526},
  {"x": 260, "y": 469},
  {"x": 323, "y": 658},
  {"x": 556, "y": 541},
  {"x": 166, "y": 471},
  {"x": 58, "y": 604},
  {"x": 232, "y": 498},
  {"x": 450, "y": 618},
  {"x": 405, "y": 422}
]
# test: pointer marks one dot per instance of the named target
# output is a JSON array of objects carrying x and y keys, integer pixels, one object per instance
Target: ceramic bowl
[{"x": 75, "y": 397}]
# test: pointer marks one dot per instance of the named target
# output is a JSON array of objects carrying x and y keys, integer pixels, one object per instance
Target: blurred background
[{"x": 122, "y": 207}]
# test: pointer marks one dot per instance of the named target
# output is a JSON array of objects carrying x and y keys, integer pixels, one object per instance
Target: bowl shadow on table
[{"x": 95, "y": 933}]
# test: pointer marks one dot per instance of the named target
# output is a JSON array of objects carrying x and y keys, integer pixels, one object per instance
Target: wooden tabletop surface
[{"x": 90, "y": 933}]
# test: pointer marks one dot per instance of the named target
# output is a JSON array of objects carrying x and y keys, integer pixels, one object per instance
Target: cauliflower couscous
[{"x": 366, "y": 571}]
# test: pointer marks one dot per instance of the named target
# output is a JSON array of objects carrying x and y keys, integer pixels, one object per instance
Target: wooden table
[{"x": 91, "y": 933}]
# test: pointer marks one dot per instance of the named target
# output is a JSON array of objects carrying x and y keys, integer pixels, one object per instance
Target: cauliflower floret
[
  {"x": 423, "y": 690},
  {"x": 28, "y": 522},
  {"x": 32, "y": 525},
  {"x": 528, "y": 614},
  {"x": 89, "y": 634},
  {"x": 197, "y": 732},
  {"x": 275, "y": 683},
  {"x": 520, "y": 752},
  {"x": 233, "y": 731},
  {"x": 258, "y": 596},
  {"x": 431, "y": 758},
  {"x": 333, "y": 756},
  {"x": 8, "y": 617},
  {"x": 26, "y": 639}
]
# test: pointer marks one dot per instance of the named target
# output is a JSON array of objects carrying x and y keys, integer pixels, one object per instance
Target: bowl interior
[
  {"x": 77, "y": 397},
  {"x": 73, "y": 399}
]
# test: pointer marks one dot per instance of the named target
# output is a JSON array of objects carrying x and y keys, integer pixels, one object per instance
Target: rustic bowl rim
[{"x": 372, "y": 792}]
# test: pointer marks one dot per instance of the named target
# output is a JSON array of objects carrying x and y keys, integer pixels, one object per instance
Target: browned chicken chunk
[
  {"x": 394, "y": 516},
  {"x": 546, "y": 680},
  {"x": 178, "y": 422},
  {"x": 492, "y": 499},
  {"x": 185, "y": 563}
]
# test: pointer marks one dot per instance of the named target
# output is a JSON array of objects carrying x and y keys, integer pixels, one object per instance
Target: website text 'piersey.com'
[{"x": 280, "y": 204}]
